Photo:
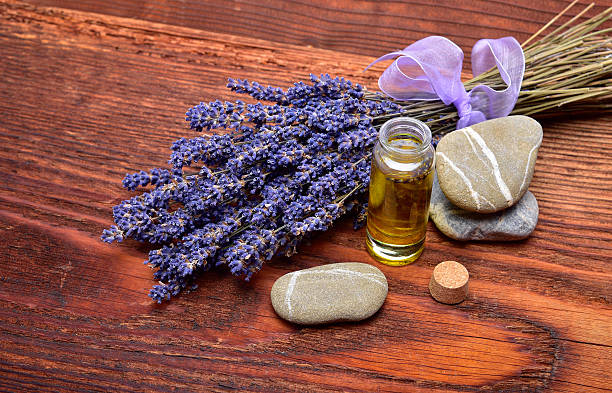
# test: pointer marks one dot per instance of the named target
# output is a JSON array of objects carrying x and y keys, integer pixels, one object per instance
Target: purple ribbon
[{"x": 430, "y": 69}]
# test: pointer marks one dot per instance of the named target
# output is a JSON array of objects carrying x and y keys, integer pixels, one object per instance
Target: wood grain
[
  {"x": 362, "y": 27},
  {"x": 86, "y": 98}
]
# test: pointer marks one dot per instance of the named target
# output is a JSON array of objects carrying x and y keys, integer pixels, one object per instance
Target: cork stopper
[{"x": 449, "y": 282}]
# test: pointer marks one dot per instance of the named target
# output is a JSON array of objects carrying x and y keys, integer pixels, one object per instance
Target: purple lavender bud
[
  {"x": 283, "y": 171},
  {"x": 156, "y": 176}
]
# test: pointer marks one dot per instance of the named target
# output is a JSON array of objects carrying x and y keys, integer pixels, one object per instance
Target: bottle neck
[{"x": 404, "y": 138}]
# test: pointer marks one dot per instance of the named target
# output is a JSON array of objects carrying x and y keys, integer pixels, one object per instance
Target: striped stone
[
  {"x": 330, "y": 293},
  {"x": 487, "y": 167}
]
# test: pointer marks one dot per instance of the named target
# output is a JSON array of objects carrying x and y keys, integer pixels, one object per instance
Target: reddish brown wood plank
[
  {"x": 362, "y": 27},
  {"x": 89, "y": 97}
]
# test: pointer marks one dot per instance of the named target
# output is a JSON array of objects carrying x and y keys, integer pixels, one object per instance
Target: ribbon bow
[{"x": 430, "y": 69}]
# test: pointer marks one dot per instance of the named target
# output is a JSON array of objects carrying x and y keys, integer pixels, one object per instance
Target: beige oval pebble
[
  {"x": 330, "y": 293},
  {"x": 487, "y": 167},
  {"x": 449, "y": 282}
]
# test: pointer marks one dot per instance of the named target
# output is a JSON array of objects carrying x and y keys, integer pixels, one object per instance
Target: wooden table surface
[{"x": 92, "y": 89}]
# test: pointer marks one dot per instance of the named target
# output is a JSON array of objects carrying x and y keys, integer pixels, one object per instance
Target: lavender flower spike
[{"x": 277, "y": 171}]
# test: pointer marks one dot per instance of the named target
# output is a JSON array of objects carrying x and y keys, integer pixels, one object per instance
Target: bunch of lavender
[
  {"x": 298, "y": 159},
  {"x": 286, "y": 166}
]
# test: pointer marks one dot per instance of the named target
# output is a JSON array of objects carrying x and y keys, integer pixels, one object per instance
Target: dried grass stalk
[{"x": 567, "y": 70}]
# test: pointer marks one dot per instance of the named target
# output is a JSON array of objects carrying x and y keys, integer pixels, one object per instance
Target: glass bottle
[{"x": 400, "y": 189}]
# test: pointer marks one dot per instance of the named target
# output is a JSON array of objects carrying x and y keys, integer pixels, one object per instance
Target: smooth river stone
[
  {"x": 514, "y": 223},
  {"x": 487, "y": 167},
  {"x": 330, "y": 293}
]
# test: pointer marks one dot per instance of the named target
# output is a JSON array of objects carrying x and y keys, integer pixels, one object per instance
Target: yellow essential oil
[{"x": 400, "y": 189}]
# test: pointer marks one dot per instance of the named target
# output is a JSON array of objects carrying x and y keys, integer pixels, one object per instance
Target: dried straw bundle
[{"x": 569, "y": 69}]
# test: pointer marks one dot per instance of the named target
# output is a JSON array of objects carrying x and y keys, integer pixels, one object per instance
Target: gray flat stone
[
  {"x": 514, "y": 223},
  {"x": 487, "y": 167},
  {"x": 330, "y": 293}
]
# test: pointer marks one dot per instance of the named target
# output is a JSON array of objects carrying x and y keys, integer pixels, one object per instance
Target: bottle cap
[{"x": 449, "y": 282}]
